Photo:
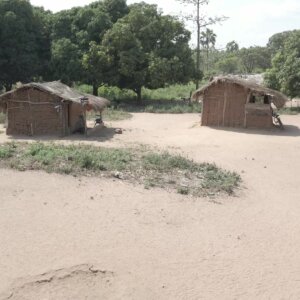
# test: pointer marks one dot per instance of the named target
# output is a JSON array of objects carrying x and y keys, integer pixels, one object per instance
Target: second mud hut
[{"x": 233, "y": 102}]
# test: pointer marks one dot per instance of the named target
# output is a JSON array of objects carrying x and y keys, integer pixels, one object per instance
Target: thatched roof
[
  {"x": 64, "y": 92},
  {"x": 277, "y": 98}
]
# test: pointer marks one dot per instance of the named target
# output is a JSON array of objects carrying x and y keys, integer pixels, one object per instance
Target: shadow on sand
[
  {"x": 288, "y": 130},
  {"x": 100, "y": 134}
]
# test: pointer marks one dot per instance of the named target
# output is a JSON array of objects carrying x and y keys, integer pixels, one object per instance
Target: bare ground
[{"x": 90, "y": 238}]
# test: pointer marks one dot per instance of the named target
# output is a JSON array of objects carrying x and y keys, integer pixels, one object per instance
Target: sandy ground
[{"x": 63, "y": 237}]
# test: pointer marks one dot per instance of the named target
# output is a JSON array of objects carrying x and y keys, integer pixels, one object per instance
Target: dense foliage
[
  {"x": 106, "y": 42},
  {"x": 285, "y": 72},
  {"x": 135, "y": 47}
]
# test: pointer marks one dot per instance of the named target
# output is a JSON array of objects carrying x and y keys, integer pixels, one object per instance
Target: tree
[
  {"x": 208, "y": 41},
  {"x": 81, "y": 25},
  {"x": 128, "y": 58},
  {"x": 232, "y": 47},
  {"x": 43, "y": 22},
  {"x": 201, "y": 21},
  {"x": 81, "y": 30},
  {"x": 285, "y": 71},
  {"x": 96, "y": 65},
  {"x": 148, "y": 49},
  {"x": 276, "y": 42},
  {"x": 116, "y": 9},
  {"x": 65, "y": 61},
  {"x": 229, "y": 65},
  {"x": 23, "y": 42},
  {"x": 255, "y": 59}
]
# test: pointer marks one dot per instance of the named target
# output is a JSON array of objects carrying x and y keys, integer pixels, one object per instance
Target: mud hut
[
  {"x": 50, "y": 108},
  {"x": 234, "y": 102}
]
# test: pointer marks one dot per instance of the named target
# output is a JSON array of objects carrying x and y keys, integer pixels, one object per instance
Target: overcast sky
[{"x": 251, "y": 22}]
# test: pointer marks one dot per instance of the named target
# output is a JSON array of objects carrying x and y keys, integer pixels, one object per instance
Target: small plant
[{"x": 183, "y": 190}]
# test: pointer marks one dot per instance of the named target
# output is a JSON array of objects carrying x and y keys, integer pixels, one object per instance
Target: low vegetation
[
  {"x": 140, "y": 165},
  {"x": 171, "y": 99},
  {"x": 289, "y": 111},
  {"x": 159, "y": 106},
  {"x": 111, "y": 114}
]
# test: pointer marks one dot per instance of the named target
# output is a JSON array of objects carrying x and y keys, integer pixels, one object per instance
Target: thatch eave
[
  {"x": 65, "y": 93},
  {"x": 277, "y": 98}
]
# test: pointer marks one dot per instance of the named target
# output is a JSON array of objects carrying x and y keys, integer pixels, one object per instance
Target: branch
[
  {"x": 194, "y": 2},
  {"x": 211, "y": 21},
  {"x": 204, "y": 21}
]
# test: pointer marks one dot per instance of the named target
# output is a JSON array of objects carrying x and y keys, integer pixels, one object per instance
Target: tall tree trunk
[
  {"x": 139, "y": 95},
  {"x": 207, "y": 58},
  {"x": 198, "y": 44},
  {"x": 95, "y": 89}
]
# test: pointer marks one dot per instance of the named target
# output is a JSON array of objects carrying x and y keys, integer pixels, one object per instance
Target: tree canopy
[
  {"x": 24, "y": 48},
  {"x": 147, "y": 49},
  {"x": 285, "y": 72},
  {"x": 110, "y": 43}
]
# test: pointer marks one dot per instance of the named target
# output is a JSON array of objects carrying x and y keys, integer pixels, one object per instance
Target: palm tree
[{"x": 208, "y": 41}]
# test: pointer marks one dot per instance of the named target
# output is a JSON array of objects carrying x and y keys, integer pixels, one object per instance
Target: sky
[{"x": 250, "y": 22}]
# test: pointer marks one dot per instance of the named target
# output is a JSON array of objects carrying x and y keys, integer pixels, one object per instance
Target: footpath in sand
[{"x": 63, "y": 237}]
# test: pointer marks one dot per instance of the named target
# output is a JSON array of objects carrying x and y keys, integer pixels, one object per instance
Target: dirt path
[{"x": 125, "y": 242}]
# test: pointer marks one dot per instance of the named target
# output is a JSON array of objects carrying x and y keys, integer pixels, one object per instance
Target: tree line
[
  {"x": 278, "y": 61},
  {"x": 106, "y": 42},
  {"x": 130, "y": 46}
]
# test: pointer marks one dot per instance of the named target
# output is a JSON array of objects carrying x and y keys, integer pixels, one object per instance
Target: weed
[{"x": 183, "y": 190}]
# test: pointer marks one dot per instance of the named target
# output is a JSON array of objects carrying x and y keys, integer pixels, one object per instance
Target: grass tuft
[{"x": 7, "y": 150}]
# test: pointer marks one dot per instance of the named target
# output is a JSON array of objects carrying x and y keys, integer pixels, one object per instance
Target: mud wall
[
  {"x": 34, "y": 112},
  {"x": 225, "y": 104},
  {"x": 258, "y": 116}
]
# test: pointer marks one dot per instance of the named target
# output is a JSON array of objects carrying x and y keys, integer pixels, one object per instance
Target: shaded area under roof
[{"x": 277, "y": 98}]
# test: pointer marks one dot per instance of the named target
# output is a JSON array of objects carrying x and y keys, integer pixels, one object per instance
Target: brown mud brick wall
[
  {"x": 224, "y": 105},
  {"x": 34, "y": 112},
  {"x": 258, "y": 116}
]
